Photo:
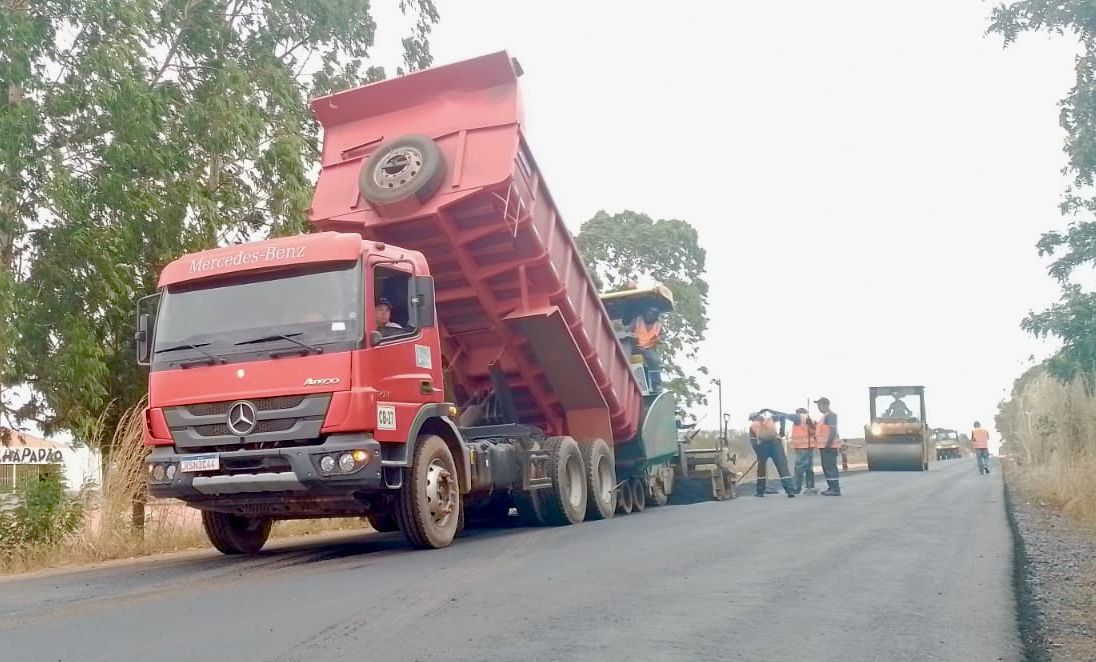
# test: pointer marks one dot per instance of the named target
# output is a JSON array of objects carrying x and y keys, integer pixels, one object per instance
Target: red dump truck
[{"x": 434, "y": 349}]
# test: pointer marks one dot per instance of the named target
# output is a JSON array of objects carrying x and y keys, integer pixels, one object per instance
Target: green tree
[
  {"x": 136, "y": 130},
  {"x": 1071, "y": 319},
  {"x": 627, "y": 246}
]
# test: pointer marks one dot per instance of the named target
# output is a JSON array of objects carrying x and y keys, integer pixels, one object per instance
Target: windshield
[
  {"x": 315, "y": 307},
  {"x": 893, "y": 407}
]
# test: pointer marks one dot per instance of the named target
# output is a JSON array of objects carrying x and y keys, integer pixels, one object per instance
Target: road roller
[{"x": 897, "y": 439}]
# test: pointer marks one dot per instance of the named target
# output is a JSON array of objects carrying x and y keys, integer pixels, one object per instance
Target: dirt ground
[{"x": 1055, "y": 578}]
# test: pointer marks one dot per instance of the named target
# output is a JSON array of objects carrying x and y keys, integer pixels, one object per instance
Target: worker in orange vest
[
  {"x": 767, "y": 444},
  {"x": 803, "y": 442},
  {"x": 646, "y": 335},
  {"x": 829, "y": 445},
  {"x": 979, "y": 438}
]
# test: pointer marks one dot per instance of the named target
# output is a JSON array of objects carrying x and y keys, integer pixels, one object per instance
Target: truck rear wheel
[
  {"x": 624, "y": 498},
  {"x": 565, "y": 501},
  {"x": 600, "y": 478},
  {"x": 639, "y": 495},
  {"x": 428, "y": 507},
  {"x": 528, "y": 505},
  {"x": 235, "y": 534}
]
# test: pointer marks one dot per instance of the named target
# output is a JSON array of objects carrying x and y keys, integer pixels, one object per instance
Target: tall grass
[{"x": 1052, "y": 427}]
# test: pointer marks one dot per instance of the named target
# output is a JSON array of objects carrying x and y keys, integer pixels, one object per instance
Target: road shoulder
[{"x": 1055, "y": 578}]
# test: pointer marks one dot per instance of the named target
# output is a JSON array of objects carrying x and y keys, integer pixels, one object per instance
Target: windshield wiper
[
  {"x": 284, "y": 336},
  {"x": 197, "y": 347}
]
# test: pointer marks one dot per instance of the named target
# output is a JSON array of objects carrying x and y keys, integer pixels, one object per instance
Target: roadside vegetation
[
  {"x": 1047, "y": 426},
  {"x": 1047, "y": 421}
]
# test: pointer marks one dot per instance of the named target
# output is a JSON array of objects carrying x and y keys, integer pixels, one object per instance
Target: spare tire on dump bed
[{"x": 402, "y": 174}]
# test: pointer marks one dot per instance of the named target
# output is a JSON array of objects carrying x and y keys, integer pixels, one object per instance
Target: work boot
[
  {"x": 834, "y": 490},
  {"x": 811, "y": 490},
  {"x": 760, "y": 487}
]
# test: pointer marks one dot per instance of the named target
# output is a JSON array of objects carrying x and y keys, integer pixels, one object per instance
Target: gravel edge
[
  {"x": 1052, "y": 557},
  {"x": 1028, "y": 616}
]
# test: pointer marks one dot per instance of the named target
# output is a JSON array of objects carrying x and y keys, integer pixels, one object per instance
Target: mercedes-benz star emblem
[{"x": 241, "y": 418}]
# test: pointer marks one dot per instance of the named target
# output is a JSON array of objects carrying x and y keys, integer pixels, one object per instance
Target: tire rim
[
  {"x": 605, "y": 480},
  {"x": 573, "y": 474},
  {"x": 440, "y": 496},
  {"x": 398, "y": 167}
]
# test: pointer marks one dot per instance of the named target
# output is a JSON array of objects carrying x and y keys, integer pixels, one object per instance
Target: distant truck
[
  {"x": 946, "y": 443},
  {"x": 435, "y": 350}
]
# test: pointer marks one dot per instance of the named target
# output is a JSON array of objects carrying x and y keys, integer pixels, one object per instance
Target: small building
[{"x": 26, "y": 457}]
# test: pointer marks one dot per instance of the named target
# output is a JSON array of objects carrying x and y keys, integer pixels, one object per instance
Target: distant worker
[
  {"x": 804, "y": 443},
  {"x": 898, "y": 409},
  {"x": 979, "y": 439},
  {"x": 829, "y": 444},
  {"x": 768, "y": 445},
  {"x": 383, "y": 316},
  {"x": 646, "y": 335}
]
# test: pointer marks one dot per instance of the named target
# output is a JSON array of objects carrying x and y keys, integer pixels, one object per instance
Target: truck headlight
[{"x": 346, "y": 463}]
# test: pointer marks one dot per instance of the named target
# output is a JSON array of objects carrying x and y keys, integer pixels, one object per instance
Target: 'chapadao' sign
[{"x": 31, "y": 456}]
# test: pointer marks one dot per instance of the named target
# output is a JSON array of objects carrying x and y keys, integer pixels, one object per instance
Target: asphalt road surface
[{"x": 905, "y": 566}]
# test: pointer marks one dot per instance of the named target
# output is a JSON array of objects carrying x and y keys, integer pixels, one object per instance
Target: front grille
[
  {"x": 290, "y": 420},
  {"x": 221, "y": 429},
  {"x": 261, "y": 404}
]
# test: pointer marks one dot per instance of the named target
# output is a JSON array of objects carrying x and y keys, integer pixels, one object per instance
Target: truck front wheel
[
  {"x": 235, "y": 534},
  {"x": 428, "y": 507}
]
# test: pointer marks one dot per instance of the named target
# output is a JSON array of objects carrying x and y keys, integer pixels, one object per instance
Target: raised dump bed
[{"x": 436, "y": 161}]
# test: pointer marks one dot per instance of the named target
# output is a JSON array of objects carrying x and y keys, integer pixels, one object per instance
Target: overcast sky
[{"x": 868, "y": 178}]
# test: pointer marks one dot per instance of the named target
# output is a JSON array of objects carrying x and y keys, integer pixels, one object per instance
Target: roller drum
[{"x": 896, "y": 455}]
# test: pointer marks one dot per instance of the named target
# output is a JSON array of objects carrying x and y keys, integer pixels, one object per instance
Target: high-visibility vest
[
  {"x": 980, "y": 438},
  {"x": 802, "y": 435},
  {"x": 647, "y": 336},
  {"x": 822, "y": 433},
  {"x": 764, "y": 430}
]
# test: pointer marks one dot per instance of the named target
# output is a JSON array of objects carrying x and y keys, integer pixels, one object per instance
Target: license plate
[{"x": 193, "y": 463}]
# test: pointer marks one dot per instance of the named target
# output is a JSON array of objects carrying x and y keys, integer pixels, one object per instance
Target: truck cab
[{"x": 270, "y": 378}]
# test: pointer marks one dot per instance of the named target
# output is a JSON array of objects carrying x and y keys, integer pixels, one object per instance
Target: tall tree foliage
[
  {"x": 1072, "y": 319},
  {"x": 133, "y": 131},
  {"x": 629, "y": 246}
]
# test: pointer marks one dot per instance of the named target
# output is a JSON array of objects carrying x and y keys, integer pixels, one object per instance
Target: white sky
[{"x": 831, "y": 155}]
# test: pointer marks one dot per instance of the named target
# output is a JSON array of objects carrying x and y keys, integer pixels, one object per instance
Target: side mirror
[
  {"x": 144, "y": 339},
  {"x": 420, "y": 301},
  {"x": 144, "y": 333}
]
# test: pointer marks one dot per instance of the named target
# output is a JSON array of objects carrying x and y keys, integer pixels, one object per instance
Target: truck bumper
[{"x": 286, "y": 480}]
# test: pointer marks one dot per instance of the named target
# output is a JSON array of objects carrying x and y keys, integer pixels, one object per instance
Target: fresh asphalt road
[{"x": 905, "y": 566}]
